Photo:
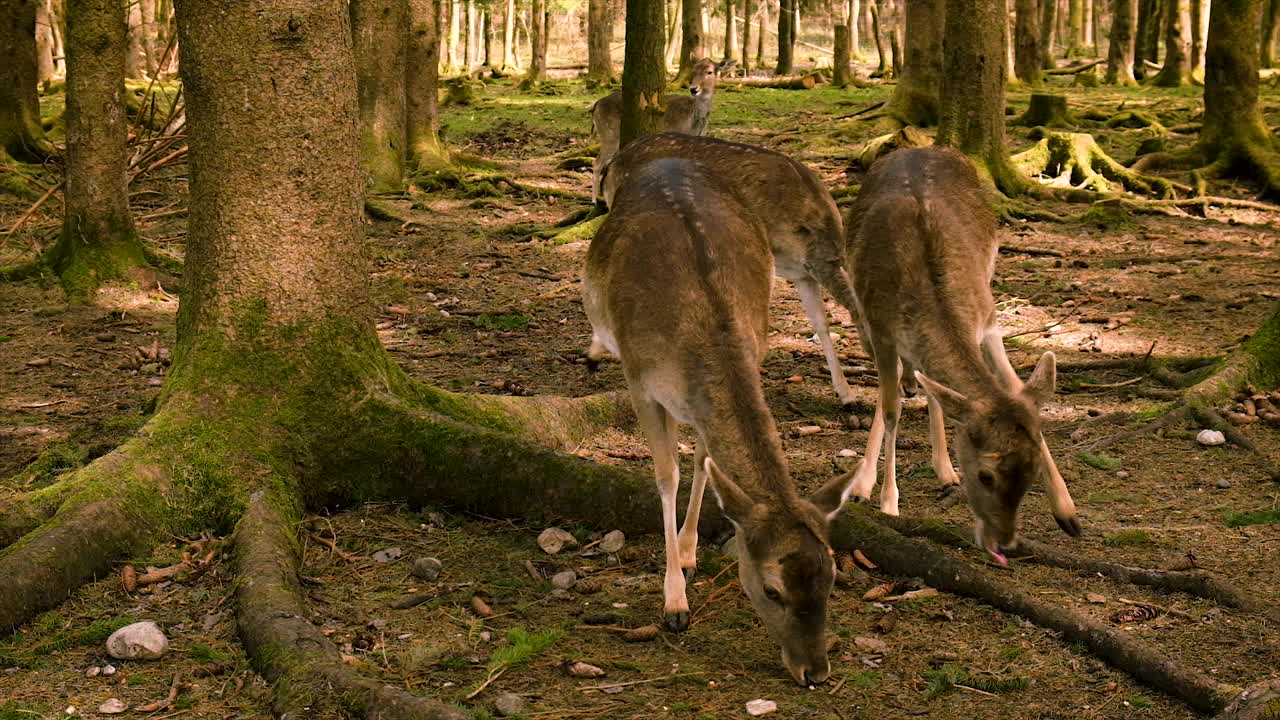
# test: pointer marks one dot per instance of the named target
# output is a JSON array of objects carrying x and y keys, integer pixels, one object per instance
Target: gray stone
[
  {"x": 427, "y": 568},
  {"x": 1223, "y": 484},
  {"x": 139, "y": 641},
  {"x": 613, "y": 541},
  {"x": 564, "y": 580},
  {"x": 387, "y": 555},
  {"x": 508, "y": 704}
]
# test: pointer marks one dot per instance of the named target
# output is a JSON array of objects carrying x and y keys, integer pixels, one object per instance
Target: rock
[
  {"x": 486, "y": 636},
  {"x": 553, "y": 540},
  {"x": 1211, "y": 438},
  {"x": 870, "y": 645},
  {"x": 613, "y": 541},
  {"x": 139, "y": 641},
  {"x": 113, "y": 706},
  {"x": 564, "y": 580},
  {"x": 108, "y": 670},
  {"x": 427, "y": 568},
  {"x": 1123, "y": 474},
  {"x": 387, "y": 555},
  {"x": 1223, "y": 484},
  {"x": 508, "y": 704},
  {"x": 583, "y": 670},
  {"x": 847, "y": 453},
  {"x": 1095, "y": 598},
  {"x": 756, "y": 708}
]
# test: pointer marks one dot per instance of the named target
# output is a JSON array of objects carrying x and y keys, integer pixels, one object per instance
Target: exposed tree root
[
  {"x": 913, "y": 558},
  {"x": 28, "y": 511},
  {"x": 1259, "y": 701},
  {"x": 1074, "y": 160}
]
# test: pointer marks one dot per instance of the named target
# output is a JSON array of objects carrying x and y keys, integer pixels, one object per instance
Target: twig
[
  {"x": 1045, "y": 328},
  {"x": 486, "y": 683},
  {"x": 640, "y": 682},
  {"x": 1015, "y": 250},
  {"x": 863, "y": 111},
  {"x": 32, "y": 210},
  {"x": 1104, "y": 386},
  {"x": 973, "y": 689}
]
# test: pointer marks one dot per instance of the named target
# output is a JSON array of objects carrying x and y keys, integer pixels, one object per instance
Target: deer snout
[
  {"x": 813, "y": 671},
  {"x": 695, "y": 90}
]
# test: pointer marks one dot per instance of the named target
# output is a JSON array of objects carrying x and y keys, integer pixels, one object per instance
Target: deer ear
[
  {"x": 831, "y": 497},
  {"x": 955, "y": 406},
  {"x": 735, "y": 503},
  {"x": 1040, "y": 385}
]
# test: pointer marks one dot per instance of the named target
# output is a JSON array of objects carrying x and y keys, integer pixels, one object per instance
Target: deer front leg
[
  {"x": 865, "y": 479},
  {"x": 807, "y": 287},
  {"x": 658, "y": 427},
  {"x": 889, "y": 411},
  {"x": 942, "y": 466},
  {"x": 688, "y": 539}
]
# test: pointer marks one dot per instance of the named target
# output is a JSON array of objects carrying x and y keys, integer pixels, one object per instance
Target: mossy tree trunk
[
  {"x": 98, "y": 243},
  {"x": 1270, "y": 21},
  {"x": 20, "y": 133},
  {"x": 1176, "y": 70},
  {"x": 973, "y": 89},
  {"x": 537, "y": 42},
  {"x": 422, "y": 84},
  {"x": 916, "y": 97},
  {"x": 1026, "y": 35},
  {"x": 1048, "y": 32},
  {"x": 644, "y": 76},
  {"x": 786, "y": 50},
  {"x": 748, "y": 12},
  {"x": 1124, "y": 18},
  {"x": 379, "y": 33},
  {"x": 599, "y": 35},
  {"x": 692, "y": 42}
]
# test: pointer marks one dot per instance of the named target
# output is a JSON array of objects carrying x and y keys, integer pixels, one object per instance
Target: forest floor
[{"x": 469, "y": 300}]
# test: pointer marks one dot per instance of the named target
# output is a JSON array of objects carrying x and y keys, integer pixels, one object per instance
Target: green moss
[
  {"x": 948, "y": 677},
  {"x": 583, "y": 231},
  {"x": 203, "y": 653},
  {"x": 57, "y": 458},
  {"x": 1099, "y": 461},
  {"x": 502, "y": 321},
  {"x": 51, "y": 633},
  {"x": 1124, "y": 538},
  {"x": 1264, "y": 348},
  {"x": 1257, "y": 517},
  {"x": 84, "y": 265}
]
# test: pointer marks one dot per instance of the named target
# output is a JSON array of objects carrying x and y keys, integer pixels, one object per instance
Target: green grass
[
  {"x": 52, "y": 633},
  {"x": 202, "y": 653},
  {"x": 1124, "y": 538},
  {"x": 948, "y": 677},
  {"x": 1099, "y": 461},
  {"x": 502, "y": 321},
  {"x": 523, "y": 647},
  {"x": 1141, "y": 702},
  {"x": 1257, "y": 517},
  {"x": 23, "y": 711}
]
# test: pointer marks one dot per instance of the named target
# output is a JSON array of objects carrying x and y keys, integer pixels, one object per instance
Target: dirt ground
[{"x": 474, "y": 300}]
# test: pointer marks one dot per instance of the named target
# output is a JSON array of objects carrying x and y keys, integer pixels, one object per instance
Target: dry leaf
[
  {"x": 583, "y": 670},
  {"x": 880, "y": 591}
]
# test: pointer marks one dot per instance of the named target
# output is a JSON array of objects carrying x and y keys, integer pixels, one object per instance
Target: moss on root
[
  {"x": 1074, "y": 160},
  {"x": 84, "y": 265}
]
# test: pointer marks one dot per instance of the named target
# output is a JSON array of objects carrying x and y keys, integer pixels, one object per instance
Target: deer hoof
[
  {"x": 677, "y": 621},
  {"x": 1070, "y": 525}
]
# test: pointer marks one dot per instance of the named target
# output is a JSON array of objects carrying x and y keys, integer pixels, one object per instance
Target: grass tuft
[
  {"x": 1257, "y": 517},
  {"x": 1099, "y": 461},
  {"x": 1123, "y": 538},
  {"x": 948, "y": 677}
]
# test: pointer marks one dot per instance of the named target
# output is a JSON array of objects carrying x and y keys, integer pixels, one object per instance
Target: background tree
[
  {"x": 1076, "y": 30},
  {"x": 1199, "y": 36},
  {"x": 509, "y": 37},
  {"x": 599, "y": 35},
  {"x": 1177, "y": 45},
  {"x": 20, "y": 132},
  {"x": 644, "y": 76},
  {"x": 1026, "y": 34},
  {"x": 730, "y": 32},
  {"x": 98, "y": 241},
  {"x": 378, "y": 29},
  {"x": 916, "y": 97},
  {"x": 748, "y": 14},
  {"x": 45, "y": 64},
  {"x": 786, "y": 46},
  {"x": 1147, "y": 47},
  {"x": 1048, "y": 32},
  {"x": 842, "y": 68},
  {"x": 692, "y": 42},
  {"x": 537, "y": 42},
  {"x": 422, "y": 82},
  {"x": 1270, "y": 21},
  {"x": 1124, "y": 18}
]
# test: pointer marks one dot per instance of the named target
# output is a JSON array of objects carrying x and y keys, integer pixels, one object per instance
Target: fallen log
[{"x": 802, "y": 82}]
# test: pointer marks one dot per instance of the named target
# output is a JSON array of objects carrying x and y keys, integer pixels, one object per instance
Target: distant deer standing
[
  {"x": 921, "y": 250},
  {"x": 801, "y": 220},
  {"x": 677, "y": 286}
]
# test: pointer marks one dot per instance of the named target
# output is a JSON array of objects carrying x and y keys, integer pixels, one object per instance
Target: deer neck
[{"x": 958, "y": 363}]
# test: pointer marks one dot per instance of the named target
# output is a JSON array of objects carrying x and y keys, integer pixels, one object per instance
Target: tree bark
[
  {"x": 1199, "y": 35},
  {"x": 1177, "y": 39},
  {"x": 748, "y": 14},
  {"x": 469, "y": 37},
  {"x": 599, "y": 35},
  {"x": 135, "y": 65},
  {"x": 20, "y": 132},
  {"x": 486, "y": 17},
  {"x": 763, "y": 34},
  {"x": 1048, "y": 32},
  {"x": 643, "y": 71},
  {"x": 1027, "y": 51},
  {"x": 45, "y": 66},
  {"x": 455, "y": 34},
  {"x": 1270, "y": 22},
  {"x": 973, "y": 89},
  {"x": 692, "y": 40},
  {"x": 882, "y": 52},
  {"x": 786, "y": 51},
  {"x": 1075, "y": 28},
  {"x": 1148, "y": 41},
  {"x": 842, "y": 70},
  {"x": 1233, "y": 125},
  {"x": 537, "y": 42},
  {"x": 422, "y": 83},
  {"x": 98, "y": 242},
  {"x": 730, "y": 32},
  {"x": 851, "y": 20},
  {"x": 509, "y": 37},
  {"x": 916, "y": 97},
  {"x": 379, "y": 40},
  {"x": 147, "y": 32},
  {"x": 1124, "y": 18}
]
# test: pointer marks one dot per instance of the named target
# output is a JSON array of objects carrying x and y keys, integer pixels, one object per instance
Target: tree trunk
[
  {"x": 1048, "y": 32},
  {"x": 20, "y": 132},
  {"x": 748, "y": 14},
  {"x": 851, "y": 20},
  {"x": 1027, "y": 52},
  {"x": 877, "y": 30},
  {"x": 379, "y": 39},
  {"x": 421, "y": 89},
  {"x": 842, "y": 70},
  {"x": 1075, "y": 28},
  {"x": 691, "y": 39},
  {"x": 1233, "y": 123},
  {"x": 1199, "y": 35},
  {"x": 915, "y": 99},
  {"x": 763, "y": 34},
  {"x": 1176, "y": 70},
  {"x": 1270, "y": 22},
  {"x": 455, "y": 34},
  {"x": 537, "y": 42},
  {"x": 1086, "y": 37},
  {"x": 147, "y": 33},
  {"x": 1148, "y": 40},
  {"x": 98, "y": 242},
  {"x": 1010, "y": 66},
  {"x": 893, "y": 26},
  {"x": 730, "y": 32},
  {"x": 1124, "y": 18},
  {"x": 469, "y": 35},
  {"x": 973, "y": 89},
  {"x": 486, "y": 16},
  {"x": 786, "y": 51},
  {"x": 599, "y": 35},
  {"x": 135, "y": 65},
  {"x": 509, "y": 37},
  {"x": 45, "y": 67},
  {"x": 643, "y": 71}
]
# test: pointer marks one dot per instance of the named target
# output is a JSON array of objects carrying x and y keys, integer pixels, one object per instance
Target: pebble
[
  {"x": 427, "y": 568},
  {"x": 553, "y": 540},
  {"x": 108, "y": 670},
  {"x": 613, "y": 541},
  {"x": 94, "y": 671},
  {"x": 387, "y": 555},
  {"x": 139, "y": 641},
  {"x": 486, "y": 636},
  {"x": 1211, "y": 438},
  {"x": 508, "y": 704},
  {"x": 113, "y": 706},
  {"x": 847, "y": 453},
  {"x": 1223, "y": 484},
  {"x": 564, "y": 580},
  {"x": 1095, "y": 598},
  {"x": 1123, "y": 474},
  {"x": 756, "y": 708}
]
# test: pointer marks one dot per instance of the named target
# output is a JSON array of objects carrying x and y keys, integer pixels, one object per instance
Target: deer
[
  {"x": 805, "y": 231},
  {"x": 921, "y": 250},
  {"x": 676, "y": 286},
  {"x": 684, "y": 114}
]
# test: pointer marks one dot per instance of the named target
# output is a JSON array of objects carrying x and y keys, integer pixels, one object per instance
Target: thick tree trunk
[
  {"x": 45, "y": 66},
  {"x": 509, "y": 37},
  {"x": 1124, "y": 18},
  {"x": 599, "y": 35},
  {"x": 20, "y": 133},
  {"x": 1027, "y": 52},
  {"x": 973, "y": 89},
  {"x": 916, "y": 97},
  {"x": 98, "y": 242},
  {"x": 1048, "y": 32},
  {"x": 421, "y": 89},
  {"x": 537, "y": 42},
  {"x": 643, "y": 71},
  {"x": 786, "y": 51},
  {"x": 748, "y": 14},
  {"x": 1233, "y": 126},
  {"x": 730, "y": 32},
  {"x": 379, "y": 39},
  {"x": 692, "y": 40},
  {"x": 1177, "y": 39}
]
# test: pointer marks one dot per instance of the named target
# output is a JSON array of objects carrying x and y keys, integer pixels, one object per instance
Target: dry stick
[
  {"x": 641, "y": 682},
  {"x": 32, "y": 210},
  {"x": 904, "y": 556},
  {"x": 1016, "y": 250}
]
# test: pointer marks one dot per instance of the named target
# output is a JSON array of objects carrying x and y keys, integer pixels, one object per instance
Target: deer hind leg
[
  {"x": 688, "y": 538},
  {"x": 890, "y": 370},
  {"x": 659, "y": 429},
  {"x": 942, "y": 466},
  {"x": 817, "y": 312}
]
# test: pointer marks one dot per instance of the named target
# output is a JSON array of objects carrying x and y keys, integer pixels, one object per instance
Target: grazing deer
[
  {"x": 921, "y": 249},
  {"x": 800, "y": 219},
  {"x": 677, "y": 286},
  {"x": 686, "y": 114}
]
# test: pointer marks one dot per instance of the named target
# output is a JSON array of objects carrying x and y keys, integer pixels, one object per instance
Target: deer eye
[
  {"x": 772, "y": 593},
  {"x": 986, "y": 478}
]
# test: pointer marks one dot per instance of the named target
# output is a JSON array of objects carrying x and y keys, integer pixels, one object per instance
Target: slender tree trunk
[
  {"x": 599, "y": 35},
  {"x": 852, "y": 20},
  {"x": 455, "y": 34},
  {"x": 730, "y": 32},
  {"x": 1075, "y": 28},
  {"x": 842, "y": 70},
  {"x": 1124, "y": 19},
  {"x": 1027, "y": 52},
  {"x": 379, "y": 39},
  {"x": 786, "y": 16},
  {"x": 1097, "y": 9},
  {"x": 1148, "y": 42},
  {"x": 1011, "y": 69},
  {"x": 763, "y": 34},
  {"x": 748, "y": 14},
  {"x": 421, "y": 88},
  {"x": 692, "y": 48},
  {"x": 1177, "y": 53},
  {"x": 877, "y": 30},
  {"x": 468, "y": 30},
  {"x": 537, "y": 42},
  {"x": 915, "y": 99},
  {"x": 671, "y": 20},
  {"x": 45, "y": 67},
  {"x": 1270, "y": 22},
  {"x": 509, "y": 37},
  {"x": 486, "y": 16},
  {"x": 98, "y": 242},
  {"x": 135, "y": 65},
  {"x": 20, "y": 132},
  {"x": 893, "y": 26},
  {"x": 1199, "y": 35},
  {"x": 57, "y": 10},
  {"x": 147, "y": 32},
  {"x": 1048, "y": 32},
  {"x": 973, "y": 89},
  {"x": 643, "y": 71}
]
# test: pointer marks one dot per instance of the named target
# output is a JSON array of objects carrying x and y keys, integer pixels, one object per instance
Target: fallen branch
[
  {"x": 1074, "y": 69},
  {"x": 1034, "y": 251},
  {"x": 34, "y": 207}
]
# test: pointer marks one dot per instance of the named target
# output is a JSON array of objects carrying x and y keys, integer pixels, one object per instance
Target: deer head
[
  {"x": 703, "y": 81},
  {"x": 786, "y": 567}
]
